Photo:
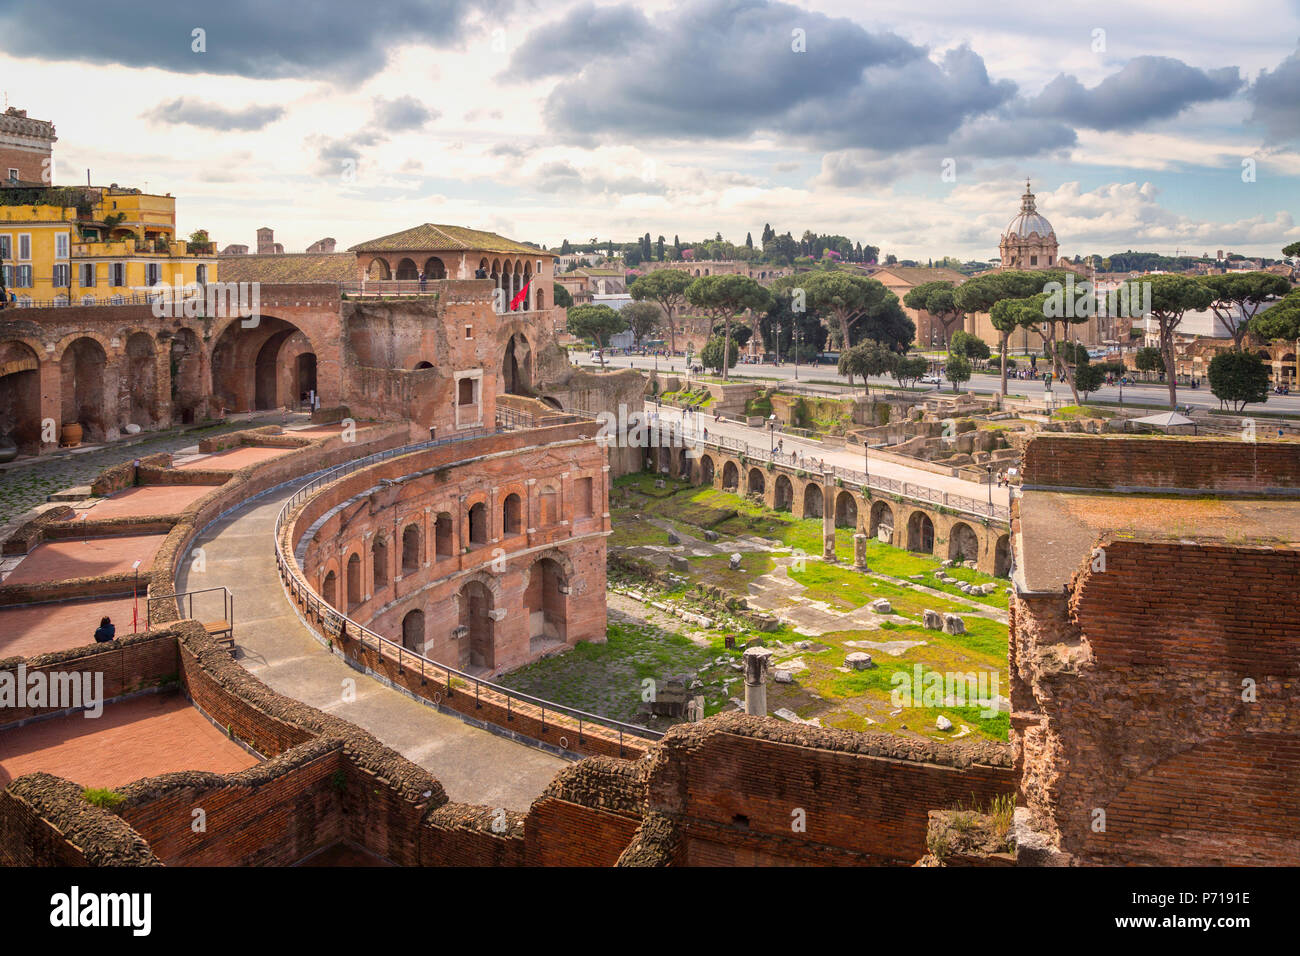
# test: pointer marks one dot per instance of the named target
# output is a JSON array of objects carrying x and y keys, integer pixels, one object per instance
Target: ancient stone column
[
  {"x": 828, "y": 520},
  {"x": 860, "y": 551},
  {"x": 756, "y": 661}
]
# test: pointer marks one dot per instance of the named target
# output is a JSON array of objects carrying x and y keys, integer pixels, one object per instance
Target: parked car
[{"x": 932, "y": 380}]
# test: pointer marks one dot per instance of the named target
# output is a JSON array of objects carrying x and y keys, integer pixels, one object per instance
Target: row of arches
[
  {"x": 903, "y": 525},
  {"x": 150, "y": 379}
]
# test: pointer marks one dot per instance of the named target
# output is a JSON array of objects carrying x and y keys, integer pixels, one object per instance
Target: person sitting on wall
[{"x": 105, "y": 632}]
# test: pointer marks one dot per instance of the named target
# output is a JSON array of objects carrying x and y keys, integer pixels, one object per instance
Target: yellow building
[{"x": 74, "y": 245}]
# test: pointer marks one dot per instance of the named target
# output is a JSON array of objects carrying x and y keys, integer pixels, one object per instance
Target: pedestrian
[
  {"x": 105, "y": 631},
  {"x": 706, "y": 434},
  {"x": 423, "y": 281}
]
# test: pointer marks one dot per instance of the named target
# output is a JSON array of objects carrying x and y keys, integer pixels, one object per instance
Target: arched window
[
  {"x": 413, "y": 631},
  {"x": 512, "y": 515},
  {"x": 354, "y": 581},
  {"x": 411, "y": 549},
  {"x": 442, "y": 536},
  {"x": 478, "y": 524},
  {"x": 379, "y": 555},
  {"x": 328, "y": 588}
]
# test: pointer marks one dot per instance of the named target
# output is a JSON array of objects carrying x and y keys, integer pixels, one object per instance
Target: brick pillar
[{"x": 828, "y": 519}]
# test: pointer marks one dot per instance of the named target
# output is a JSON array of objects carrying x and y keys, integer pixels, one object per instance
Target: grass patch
[{"x": 102, "y": 797}]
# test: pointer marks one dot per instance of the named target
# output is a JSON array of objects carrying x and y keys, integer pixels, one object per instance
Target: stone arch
[
  {"x": 83, "y": 370},
  {"x": 379, "y": 563},
  {"x": 411, "y": 548},
  {"x": 478, "y": 637},
  {"x": 328, "y": 590},
  {"x": 546, "y": 601},
  {"x": 413, "y": 631},
  {"x": 730, "y": 476},
  {"x": 706, "y": 469},
  {"x": 407, "y": 270},
  {"x": 517, "y": 365},
  {"x": 422, "y": 364},
  {"x": 20, "y": 396},
  {"x": 512, "y": 514},
  {"x": 187, "y": 390},
  {"x": 435, "y": 268},
  {"x": 846, "y": 510},
  {"x": 444, "y": 537},
  {"x": 354, "y": 580},
  {"x": 684, "y": 464},
  {"x": 139, "y": 395},
  {"x": 478, "y": 524},
  {"x": 379, "y": 269},
  {"x": 755, "y": 485},
  {"x": 920, "y": 532},
  {"x": 881, "y": 520},
  {"x": 1002, "y": 556},
  {"x": 812, "y": 500},
  {"x": 783, "y": 493},
  {"x": 260, "y": 367},
  {"x": 963, "y": 543}
]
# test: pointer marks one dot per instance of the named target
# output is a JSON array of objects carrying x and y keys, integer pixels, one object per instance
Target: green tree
[
  {"x": 666, "y": 288},
  {"x": 723, "y": 297},
  {"x": 711, "y": 355},
  {"x": 1149, "y": 359},
  {"x": 909, "y": 369},
  {"x": 983, "y": 292},
  {"x": 1238, "y": 297},
  {"x": 939, "y": 299},
  {"x": 565, "y": 248},
  {"x": 1238, "y": 378},
  {"x": 1088, "y": 378},
  {"x": 866, "y": 359},
  {"x": 597, "y": 323},
  {"x": 861, "y": 308},
  {"x": 958, "y": 370},
  {"x": 1292, "y": 250},
  {"x": 1280, "y": 322},
  {"x": 969, "y": 345},
  {"x": 642, "y": 318},
  {"x": 562, "y": 296},
  {"x": 1171, "y": 296}
]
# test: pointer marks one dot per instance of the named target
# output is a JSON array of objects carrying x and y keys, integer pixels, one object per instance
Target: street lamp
[
  {"x": 796, "y": 353},
  {"x": 135, "y": 599},
  {"x": 866, "y": 459},
  {"x": 771, "y": 436},
  {"x": 989, "y": 470}
]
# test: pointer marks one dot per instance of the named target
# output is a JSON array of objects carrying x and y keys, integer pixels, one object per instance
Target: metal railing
[
  {"x": 185, "y": 605},
  {"x": 336, "y": 624}
]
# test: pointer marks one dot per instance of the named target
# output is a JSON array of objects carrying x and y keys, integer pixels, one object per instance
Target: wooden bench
[{"x": 223, "y": 632}]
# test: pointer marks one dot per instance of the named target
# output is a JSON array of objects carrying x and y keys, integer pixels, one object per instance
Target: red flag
[{"x": 523, "y": 294}]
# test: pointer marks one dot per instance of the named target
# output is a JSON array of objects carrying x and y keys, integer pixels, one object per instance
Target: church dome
[{"x": 1029, "y": 222}]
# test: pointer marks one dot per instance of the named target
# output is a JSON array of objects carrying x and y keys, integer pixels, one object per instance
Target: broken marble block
[
  {"x": 858, "y": 661},
  {"x": 734, "y": 562},
  {"x": 678, "y": 563},
  {"x": 931, "y": 620},
  {"x": 943, "y": 723},
  {"x": 882, "y": 606},
  {"x": 710, "y": 536},
  {"x": 673, "y": 538},
  {"x": 953, "y": 624}
]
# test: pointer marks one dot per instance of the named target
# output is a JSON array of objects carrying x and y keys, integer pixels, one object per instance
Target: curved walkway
[{"x": 474, "y": 765}]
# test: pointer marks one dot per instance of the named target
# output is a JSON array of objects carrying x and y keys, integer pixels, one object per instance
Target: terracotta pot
[{"x": 71, "y": 435}]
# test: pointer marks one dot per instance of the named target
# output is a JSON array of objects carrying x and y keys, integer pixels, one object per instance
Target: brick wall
[
  {"x": 1202, "y": 464},
  {"x": 1165, "y": 698}
]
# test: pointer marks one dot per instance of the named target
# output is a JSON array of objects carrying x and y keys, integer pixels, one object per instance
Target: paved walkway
[{"x": 474, "y": 766}]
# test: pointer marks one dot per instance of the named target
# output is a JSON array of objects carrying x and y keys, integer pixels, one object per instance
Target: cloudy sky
[{"x": 905, "y": 124}]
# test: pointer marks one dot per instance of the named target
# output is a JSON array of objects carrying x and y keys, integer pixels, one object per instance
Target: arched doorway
[
  {"x": 812, "y": 500},
  {"x": 512, "y": 515},
  {"x": 1002, "y": 556},
  {"x": 730, "y": 476},
  {"x": 783, "y": 493},
  {"x": 83, "y": 368},
  {"x": 187, "y": 376},
  {"x": 20, "y": 396},
  {"x": 354, "y": 581},
  {"x": 434, "y": 268},
  {"x": 328, "y": 589},
  {"x": 139, "y": 406},
  {"x": 846, "y": 510},
  {"x": 379, "y": 564},
  {"x": 266, "y": 366},
  {"x": 684, "y": 464},
  {"x": 546, "y": 601},
  {"x": 379, "y": 269},
  {"x": 477, "y": 651},
  {"x": 442, "y": 536},
  {"x": 920, "y": 533},
  {"x": 756, "y": 485},
  {"x": 963, "y": 543},
  {"x": 517, "y": 366},
  {"x": 413, "y": 631},
  {"x": 306, "y": 375},
  {"x": 882, "y": 522},
  {"x": 706, "y": 470},
  {"x": 407, "y": 271},
  {"x": 478, "y": 524}
]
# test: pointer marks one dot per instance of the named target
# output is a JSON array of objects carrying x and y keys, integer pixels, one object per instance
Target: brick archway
[
  {"x": 920, "y": 532},
  {"x": 20, "y": 396},
  {"x": 783, "y": 493},
  {"x": 846, "y": 510},
  {"x": 882, "y": 518}
]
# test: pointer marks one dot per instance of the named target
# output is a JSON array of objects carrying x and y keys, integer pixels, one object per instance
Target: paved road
[
  {"x": 1153, "y": 396},
  {"x": 473, "y": 765}
]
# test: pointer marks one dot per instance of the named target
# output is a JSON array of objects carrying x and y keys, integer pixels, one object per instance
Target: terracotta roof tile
[{"x": 442, "y": 238}]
